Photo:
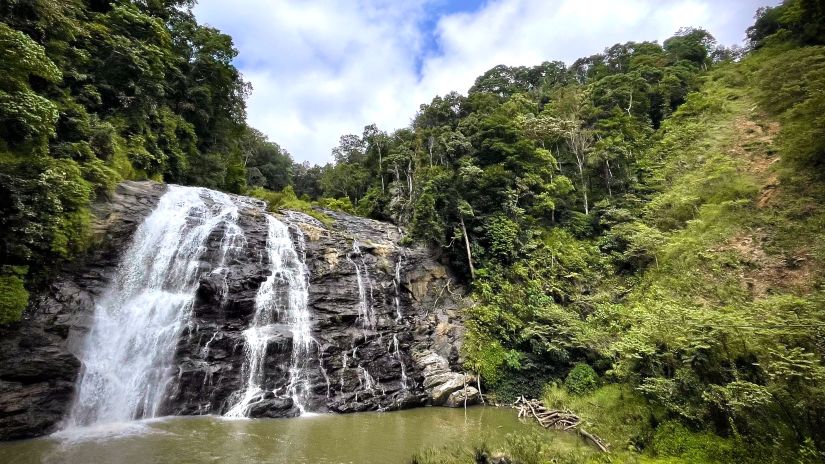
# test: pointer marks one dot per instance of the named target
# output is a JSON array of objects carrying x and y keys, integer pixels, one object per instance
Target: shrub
[
  {"x": 339, "y": 204},
  {"x": 286, "y": 199},
  {"x": 582, "y": 379},
  {"x": 13, "y": 296}
]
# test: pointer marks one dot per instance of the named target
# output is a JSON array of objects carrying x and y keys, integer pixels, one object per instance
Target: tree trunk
[
  {"x": 467, "y": 245},
  {"x": 580, "y": 165},
  {"x": 608, "y": 175},
  {"x": 630, "y": 106},
  {"x": 380, "y": 169},
  {"x": 551, "y": 166},
  {"x": 558, "y": 161}
]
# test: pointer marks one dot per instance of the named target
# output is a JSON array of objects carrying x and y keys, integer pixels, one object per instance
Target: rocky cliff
[{"x": 384, "y": 320}]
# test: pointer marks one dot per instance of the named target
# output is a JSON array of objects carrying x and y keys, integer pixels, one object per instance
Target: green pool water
[{"x": 365, "y": 438}]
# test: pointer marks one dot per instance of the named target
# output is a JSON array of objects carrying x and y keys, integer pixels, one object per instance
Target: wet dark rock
[
  {"x": 353, "y": 365},
  {"x": 273, "y": 407},
  {"x": 38, "y": 355}
]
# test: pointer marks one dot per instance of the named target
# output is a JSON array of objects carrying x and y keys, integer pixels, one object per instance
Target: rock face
[
  {"x": 38, "y": 362},
  {"x": 384, "y": 319},
  {"x": 375, "y": 306}
]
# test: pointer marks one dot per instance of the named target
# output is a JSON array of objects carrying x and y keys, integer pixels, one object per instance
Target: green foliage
[
  {"x": 680, "y": 282},
  {"x": 616, "y": 413},
  {"x": 286, "y": 199},
  {"x": 674, "y": 440},
  {"x": 527, "y": 149},
  {"x": 337, "y": 204},
  {"x": 792, "y": 86},
  {"x": 13, "y": 296},
  {"x": 25, "y": 116},
  {"x": 581, "y": 379},
  {"x": 94, "y": 94},
  {"x": 488, "y": 357},
  {"x": 501, "y": 236},
  {"x": 530, "y": 447},
  {"x": 23, "y": 57},
  {"x": 694, "y": 45},
  {"x": 797, "y": 21},
  {"x": 425, "y": 222},
  {"x": 623, "y": 215},
  {"x": 267, "y": 164}
]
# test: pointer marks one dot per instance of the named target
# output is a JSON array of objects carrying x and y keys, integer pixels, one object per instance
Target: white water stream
[
  {"x": 282, "y": 298},
  {"x": 365, "y": 292},
  {"x": 127, "y": 356}
]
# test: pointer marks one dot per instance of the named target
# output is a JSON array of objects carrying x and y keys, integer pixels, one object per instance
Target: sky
[{"x": 320, "y": 69}]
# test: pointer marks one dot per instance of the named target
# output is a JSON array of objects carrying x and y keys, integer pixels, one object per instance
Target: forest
[{"x": 642, "y": 230}]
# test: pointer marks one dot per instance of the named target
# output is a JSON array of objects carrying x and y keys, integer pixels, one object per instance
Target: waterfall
[
  {"x": 127, "y": 356},
  {"x": 393, "y": 348},
  {"x": 344, "y": 367},
  {"x": 366, "y": 314},
  {"x": 396, "y": 353},
  {"x": 397, "y": 286},
  {"x": 283, "y": 296},
  {"x": 362, "y": 273},
  {"x": 232, "y": 244},
  {"x": 366, "y": 382}
]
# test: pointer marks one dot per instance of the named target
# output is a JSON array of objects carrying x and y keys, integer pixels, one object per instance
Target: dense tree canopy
[
  {"x": 591, "y": 208},
  {"x": 93, "y": 92}
]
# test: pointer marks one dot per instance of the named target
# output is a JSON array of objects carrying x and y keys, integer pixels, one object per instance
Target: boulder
[
  {"x": 463, "y": 396},
  {"x": 274, "y": 407}
]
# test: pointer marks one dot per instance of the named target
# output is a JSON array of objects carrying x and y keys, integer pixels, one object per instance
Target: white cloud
[{"x": 323, "y": 68}]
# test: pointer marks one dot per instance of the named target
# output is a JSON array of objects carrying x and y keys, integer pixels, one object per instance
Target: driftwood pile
[{"x": 555, "y": 419}]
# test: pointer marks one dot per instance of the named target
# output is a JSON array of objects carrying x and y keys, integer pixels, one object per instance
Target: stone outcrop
[
  {"x": 391, "y": 342},
  {"x": 443, "y": 385}
]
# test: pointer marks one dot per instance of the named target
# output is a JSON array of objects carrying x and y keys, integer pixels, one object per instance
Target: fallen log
[
  {"x": 596, "y": 440},
  {"x": 564, "y": 420}
]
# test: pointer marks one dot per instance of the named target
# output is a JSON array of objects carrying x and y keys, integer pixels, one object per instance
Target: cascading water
[
  {"x": 232, "y": 244},
  {"x": 165, "y": 327},
  {"x": 396, "y": 282},
  {"x": 366, "y": 382},
  {"x": 283, "y": 296},
  {"x": 366, "y": 314},
  {"x": 128, "y": 354},
  {"x": 396, "y": 353},
  {"x": 362, "y": 273},
  {"x": 393, "y": 348}
]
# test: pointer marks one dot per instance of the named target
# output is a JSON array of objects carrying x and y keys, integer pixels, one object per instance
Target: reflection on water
[{"x": 363, "y": 438}]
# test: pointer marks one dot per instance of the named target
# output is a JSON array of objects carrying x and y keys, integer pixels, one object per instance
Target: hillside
[
  {"x": 642, "y": 231},
  {"x": 702, "y": 316}
]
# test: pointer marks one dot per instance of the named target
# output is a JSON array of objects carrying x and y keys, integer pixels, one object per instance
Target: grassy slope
[{"x": 744, "y": 244}]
